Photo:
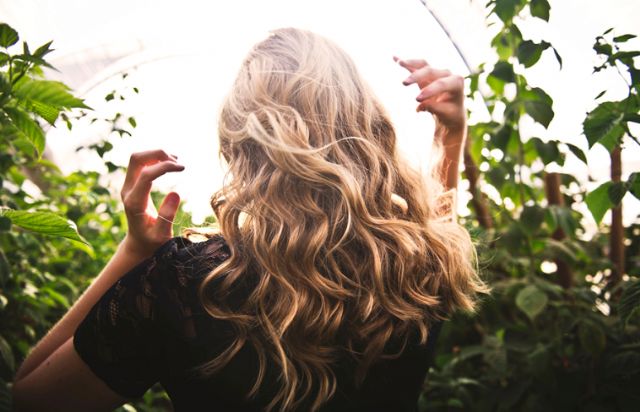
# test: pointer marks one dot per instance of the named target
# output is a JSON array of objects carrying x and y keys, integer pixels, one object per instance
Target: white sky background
[{"x": 183, "y": 56}]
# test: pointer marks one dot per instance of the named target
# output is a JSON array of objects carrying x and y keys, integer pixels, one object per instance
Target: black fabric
[{"x": 150, "y": 327}]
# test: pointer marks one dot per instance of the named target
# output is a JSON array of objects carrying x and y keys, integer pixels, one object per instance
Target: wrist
[
  {"x": 133, "y": 250},
  {"x": 451, "y": 133}
]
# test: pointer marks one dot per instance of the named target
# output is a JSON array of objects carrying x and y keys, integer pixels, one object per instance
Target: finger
[
  {"x": 450, "y": 84},
  {"x": 425, "y": 75},
  {"x": 167, "y": 212},
  {"x": 137, "y": 197},
  {"x": 410, "y": 64},
  {"x": 140, "y": 159},
  {"x": 427, "y": 105}
]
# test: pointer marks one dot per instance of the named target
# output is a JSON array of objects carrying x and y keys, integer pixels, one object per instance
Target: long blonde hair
[{"x": 310, "y": 209}]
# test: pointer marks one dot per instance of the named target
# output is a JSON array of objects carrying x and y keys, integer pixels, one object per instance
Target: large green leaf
[
  {"x": 46, "y": 223},
  {"x": 531, "y": 301},
  {"x": 598, "y": 201},
  {"x": 48, "y": 92},
  {"x": 616, "y": 192},
  {"x": 48, "y": 113},
  {"x": 29, "y": 128},
  {"x": 8, "y": 36},
  {"x": 604, "y": 125},
  {"x": 538, "y": 105}
]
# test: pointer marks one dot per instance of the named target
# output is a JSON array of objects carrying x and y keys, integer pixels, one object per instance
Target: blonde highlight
[{"x": 347, "y": 244}]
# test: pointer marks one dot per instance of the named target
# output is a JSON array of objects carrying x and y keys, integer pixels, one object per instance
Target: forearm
[
  {"x": 119, "y": 264},
  {"x": 450, "y": 142}
]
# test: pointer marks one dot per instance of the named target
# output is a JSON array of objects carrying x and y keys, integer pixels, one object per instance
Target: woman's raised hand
[
  {"x": 441, "y": 93},
  {"x": 148, "y": 228}
]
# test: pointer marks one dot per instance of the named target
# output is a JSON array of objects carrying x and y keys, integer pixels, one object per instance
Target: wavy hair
[{"x": 344, "y": 241}]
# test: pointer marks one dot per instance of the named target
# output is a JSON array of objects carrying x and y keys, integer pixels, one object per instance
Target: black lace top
[{"x": 150, "y": 327}]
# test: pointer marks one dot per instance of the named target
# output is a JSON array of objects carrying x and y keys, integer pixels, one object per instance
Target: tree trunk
[
  {"x": 554, "y": 197},
  {"x": 616, "y": 241},
  {"x": 478, "y": 202}
]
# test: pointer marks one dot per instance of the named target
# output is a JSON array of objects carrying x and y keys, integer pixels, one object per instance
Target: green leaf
[
  {"x": 558, "y": 57},
  {"x": 539, "y": 111},
  {"x": 540, "y": 9},
  {"x": 548, "y": 151},
  {"x": 48, "y": 113},
  {"x": 6, "y": 355},
  {"x": 529, "y": 52},
  {"x": 43, "y": 50},
  {"x": 507, "y": 9},
  {"x": 598, "y": 201},
  {"x": 496, "y": 176},
  {"x": 531, "y": 219},
  {"x": 28, "y": 128},
  {"x": 616, "y": 192},
  {"x": 602, "y": 48},
  {"x": 537, "y": 104},
  {"x": 531, "y": 301},
  {"x": 8, "y": 36},
  {"x": 577, "y": 152},
  {"x": 4, "y": 59},
  {"x": 132, "y": 122},
  {"x": 503, "y": 71},
  {"x": 48, "y": 92},
  {"x": 604, "y": 125},
  {"x": 592, "y": 337},
  {"x": 626, "y": 55},
  {"x": 46, "y": 223},
  {"x": 633, "y": 184},
  {"x": 624, "y": 37}
]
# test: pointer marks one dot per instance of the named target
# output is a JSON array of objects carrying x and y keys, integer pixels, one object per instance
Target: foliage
[
  {"x": 56, "y": 232},
  {"x": 557, "y": 333}
]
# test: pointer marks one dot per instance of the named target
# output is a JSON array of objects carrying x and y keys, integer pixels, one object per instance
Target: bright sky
[{"x": 183, "y": 57}]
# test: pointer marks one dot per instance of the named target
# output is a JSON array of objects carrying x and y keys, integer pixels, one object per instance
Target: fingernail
[
  {"x": 409, "y": 80},
  {"x": 173, "y": 199},
  {"x": 422, "y": 96}
]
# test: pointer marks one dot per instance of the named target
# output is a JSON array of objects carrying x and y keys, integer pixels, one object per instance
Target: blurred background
[{"x": 183, "y": 57}]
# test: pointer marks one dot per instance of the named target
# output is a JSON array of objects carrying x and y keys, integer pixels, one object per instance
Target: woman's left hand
[
  {"x": 148, "y": 228},
  {"x": 441, "y": 93}
]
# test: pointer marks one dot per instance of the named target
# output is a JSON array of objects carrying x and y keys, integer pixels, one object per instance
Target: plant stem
[{"x": 616, "y": 240}]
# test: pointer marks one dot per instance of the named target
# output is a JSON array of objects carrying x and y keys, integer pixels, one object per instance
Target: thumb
[{"x": 167, "y": 212}]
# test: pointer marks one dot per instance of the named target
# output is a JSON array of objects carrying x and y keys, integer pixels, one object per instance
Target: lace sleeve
[{"x": 120, "y": 338}]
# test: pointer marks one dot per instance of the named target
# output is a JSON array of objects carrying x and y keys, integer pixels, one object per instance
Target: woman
[{"x": 326, "y": 288}]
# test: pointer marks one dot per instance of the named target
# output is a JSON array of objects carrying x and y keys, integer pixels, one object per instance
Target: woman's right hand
[{"x": 148, "y": 229}]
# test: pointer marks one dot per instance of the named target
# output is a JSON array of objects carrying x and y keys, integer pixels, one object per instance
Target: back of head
[{"x": 310, "y": 209}]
